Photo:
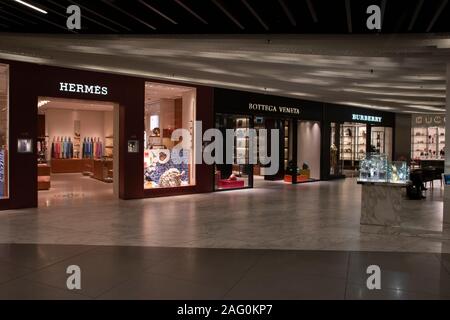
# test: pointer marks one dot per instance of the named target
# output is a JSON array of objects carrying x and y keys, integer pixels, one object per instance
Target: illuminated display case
[
  {"x": 398, "y": 172},
  {"x": 353, "y": 145},
  {"x": 376, "y": 168},
  {"x": 428, "y": 137},
  {"x": 428, "y": 143}
]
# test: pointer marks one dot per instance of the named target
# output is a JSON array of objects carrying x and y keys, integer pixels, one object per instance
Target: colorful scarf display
[
  {"x": 92, "y": 148},
  {"x": 62, "y": 148}
]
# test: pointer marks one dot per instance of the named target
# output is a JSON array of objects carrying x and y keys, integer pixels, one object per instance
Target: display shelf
[
  {"x": 109, "y": 146},
  {"x": 241, "y": 146},
  {"x": 353, "y": 143},
  {"x": 428, "y": 143}
]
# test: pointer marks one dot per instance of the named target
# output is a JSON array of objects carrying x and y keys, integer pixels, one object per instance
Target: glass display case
[
  {"x": 373, "y": 168},
  {"x": 376, "y": 168},
  {"x": 398, "y": 172}
]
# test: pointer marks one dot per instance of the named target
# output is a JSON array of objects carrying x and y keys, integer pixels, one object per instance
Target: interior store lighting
[{"x": 42, "y": 103}]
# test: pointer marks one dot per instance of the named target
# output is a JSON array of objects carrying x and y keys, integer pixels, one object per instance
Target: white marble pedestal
[{"x": 381, "y": 203}]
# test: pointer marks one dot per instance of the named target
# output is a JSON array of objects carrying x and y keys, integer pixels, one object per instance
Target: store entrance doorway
[{"x": 77, "y": 151}]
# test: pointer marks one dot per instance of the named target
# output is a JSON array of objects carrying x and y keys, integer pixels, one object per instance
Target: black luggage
[{"x": 413, "y": 192}]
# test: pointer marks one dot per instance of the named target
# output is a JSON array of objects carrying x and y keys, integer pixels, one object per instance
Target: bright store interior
[{"x": 76, "y": 148}]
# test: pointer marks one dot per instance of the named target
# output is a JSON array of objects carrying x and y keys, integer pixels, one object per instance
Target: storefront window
[
  {"x": 335, "y": 163},
  {"x": 238, "y": 174},
  {"x": 169, "y": 152},
  {"x": 380, "y": 141},
  {"x": 428, "y": 138},
  {"x": 4, "y": 130},
  {"x": 352, "y": 145}
]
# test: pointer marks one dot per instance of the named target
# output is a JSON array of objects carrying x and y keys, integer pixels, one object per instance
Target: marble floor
[
  {"x": 316, "y": 216},
  {"x": 29, "y": 271}
]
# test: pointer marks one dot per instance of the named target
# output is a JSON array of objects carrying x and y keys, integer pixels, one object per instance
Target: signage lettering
[
  {"x": 83, "y": 88},
  {"x": 362, "y": 117},
  {"x": 271, "y": 108},
  {"x": 428, "y": 120}
]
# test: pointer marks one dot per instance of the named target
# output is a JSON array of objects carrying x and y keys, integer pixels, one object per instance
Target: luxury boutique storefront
[
  {"x": 318, "y": 141},
  {"x": 299, "y": 138},
  {"x": 428, "y": 140},
  {"x": 57, "y": 121},
  {"x": 352, "y": 133},
  {"x": 119, "y": 130}
]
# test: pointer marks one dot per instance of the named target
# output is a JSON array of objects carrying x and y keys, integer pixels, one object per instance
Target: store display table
[
  {"x": 381, "y": 203},
  {"x": 103, "y": 170},
  {"x": 230, "y": 184},
  {"x": 71, "y": 165},
  {"x": 43, "y": 176},
  {"x": 300, "y": 178}
]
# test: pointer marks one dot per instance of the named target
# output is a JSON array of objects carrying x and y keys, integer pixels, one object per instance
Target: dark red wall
[{"x": 30, "y": 81}]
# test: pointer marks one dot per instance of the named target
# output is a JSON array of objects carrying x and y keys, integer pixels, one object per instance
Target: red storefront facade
[{"x": 28, "y": 82}]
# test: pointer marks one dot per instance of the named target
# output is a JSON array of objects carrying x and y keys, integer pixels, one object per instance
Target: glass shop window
[
  {"x": 169, "y": 136},
  {"x": 234, "y": 175},
  {"x": 4, "y": 130}
]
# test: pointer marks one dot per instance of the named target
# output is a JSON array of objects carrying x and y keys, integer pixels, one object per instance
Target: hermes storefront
[{"x": 60, "y": 125}]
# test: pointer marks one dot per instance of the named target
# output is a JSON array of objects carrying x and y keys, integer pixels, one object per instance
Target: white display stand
[{"x": 381, "y": 203}]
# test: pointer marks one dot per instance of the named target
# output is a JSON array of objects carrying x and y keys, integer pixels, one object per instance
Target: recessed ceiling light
[
  {"x": 31, "y": 6},
  {"x": 42, "y": 103}
]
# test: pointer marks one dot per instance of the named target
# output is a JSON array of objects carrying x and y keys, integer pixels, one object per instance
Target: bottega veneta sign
[
  {"x": 271, "y": 108},
  {"x": 362, "y": 117},
  {"x": 83, "y": 88}
]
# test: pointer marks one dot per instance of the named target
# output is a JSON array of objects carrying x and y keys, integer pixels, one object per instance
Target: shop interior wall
[
  {"x": 309, "y": 146},
  {"x": 93, "y": 124}
]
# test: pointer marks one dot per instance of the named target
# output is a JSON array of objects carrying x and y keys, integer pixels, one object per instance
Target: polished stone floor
[
  {"x": 29, "y": 271},
  {"x": 315, "y": 216}
]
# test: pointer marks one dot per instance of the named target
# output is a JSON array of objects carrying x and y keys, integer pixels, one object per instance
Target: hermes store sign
[
  {"x": 83, "y": 88},
  {"x": 428, "y": 120},
  {"x": 271, "y": 108}
]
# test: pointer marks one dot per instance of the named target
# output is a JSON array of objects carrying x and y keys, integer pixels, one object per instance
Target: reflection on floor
[
  {"x": 74, "y": 188},
  {"x": 115, "y": 272},
  {"x": 317, "y": 216}
]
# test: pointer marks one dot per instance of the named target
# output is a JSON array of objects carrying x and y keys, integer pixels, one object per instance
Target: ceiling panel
[{"x": 209, "y": 17}]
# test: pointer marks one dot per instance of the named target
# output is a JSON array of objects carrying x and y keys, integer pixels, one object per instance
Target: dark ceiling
[{"x": 227, "y": 16}]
